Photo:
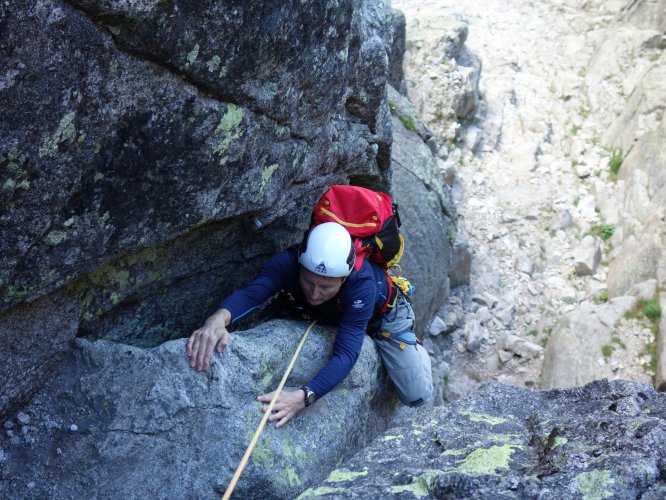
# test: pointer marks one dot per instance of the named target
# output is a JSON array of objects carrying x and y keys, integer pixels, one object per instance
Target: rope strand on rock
[{"x": 257, "y": 433}]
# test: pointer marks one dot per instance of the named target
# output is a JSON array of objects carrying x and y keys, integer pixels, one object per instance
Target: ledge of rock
[
  {"x": 132, "y": 422},
  {"x": 603, "y": 440}
]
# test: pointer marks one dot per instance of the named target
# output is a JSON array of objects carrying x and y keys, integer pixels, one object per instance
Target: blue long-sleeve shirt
[{"x": 361, "y": 298}]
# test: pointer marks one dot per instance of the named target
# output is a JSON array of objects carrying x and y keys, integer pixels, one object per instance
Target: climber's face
[{"x": 318, "y": 289}]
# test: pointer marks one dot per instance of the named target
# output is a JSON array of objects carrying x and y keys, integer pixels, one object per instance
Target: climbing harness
[{"x": 257, "y": 433}]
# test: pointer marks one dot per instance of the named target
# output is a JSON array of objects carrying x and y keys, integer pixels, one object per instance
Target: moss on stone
[{"x": 593, "y": 484}]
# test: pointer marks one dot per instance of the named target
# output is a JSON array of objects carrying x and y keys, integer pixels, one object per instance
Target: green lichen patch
[
  {"x": 593, "y": 485},
  {"x": 488, "y": 460},
  {"x": 559, "y": 441},
  {"x": 65, "y": 131},
  {"x": 266, "y": 175},
  {"x": 391, "y": 438},
  {"x": 317, "y": 492},
  {"x": 14, "y": 159},
  {"x": 420, "y": 487},
  {"x": 340, "y": 475},
  {"x": 110, "y": 284},
  {"x": 292, "y": 477},
  {"x": 230, "y": 128},
  {"x": 263, "y": 453},
  {"x": 17, "y": 292},
  {"x": 479, "y": 417},
  {"x": 213, "y": 63},
  {"x": 193, "y": 54},
  {"x": 13, "y": 162},
  {"x": 453, "y": 452},
  {"x": 55, "y": 237}
]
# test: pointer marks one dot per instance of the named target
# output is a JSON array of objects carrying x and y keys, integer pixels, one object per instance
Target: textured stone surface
[
  {"x": 427, "y": 212},
  {"x": 574, "y": 353},
  {"x": 153, "y": 154},
  {"x": 117, "y": 421},
  {"x": 604, "y": 440},
  {"x": 640, "y": 256}
]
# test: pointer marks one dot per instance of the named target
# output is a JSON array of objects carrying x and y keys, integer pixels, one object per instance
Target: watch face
[{"x": 309, "y": 396}]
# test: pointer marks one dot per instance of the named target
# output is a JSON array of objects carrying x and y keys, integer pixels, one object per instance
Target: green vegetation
[
  {"x": 546, "y": 335},
  {"x": 617, "y": 340},
  {"x": 602, "y": 297},
  {"x": 608, "y": 349},
  {"x": 649, "y": 309},
  {"x": 650, "y": 353},
  {"x": 408, "y": 122},
  {"x": 603, "y": 231},
  {"x": 616, "y": 159},
  {"x": 575, "y": 129},
  {"x": 652, "y": 310}
]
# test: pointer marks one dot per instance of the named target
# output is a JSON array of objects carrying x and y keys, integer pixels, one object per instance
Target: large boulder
[
  {"x": 575, "y": 351},
  {"x": 604, "y": 440},
  {"x": 152, "y": 154},
  {"x": 117, "y": 421}
]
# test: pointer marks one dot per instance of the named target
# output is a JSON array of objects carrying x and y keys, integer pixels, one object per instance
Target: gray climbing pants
[{"x": 406, "y": 361}]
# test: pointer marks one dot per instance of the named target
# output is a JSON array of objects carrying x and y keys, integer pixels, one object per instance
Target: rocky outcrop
[
  {"x": 447, "y": 89},
  {"x": 599, "y": 441},
  {"x": 636, "y": 136},
  {"x": 116, "y": 421},
  {"x": 427, "y": 211},
  {"x": 153, "y": 154},
  {"x": 575, "y": 351}
]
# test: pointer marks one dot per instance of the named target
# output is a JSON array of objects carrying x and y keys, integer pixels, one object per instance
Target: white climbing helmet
[{"x": 327, "y": 250}]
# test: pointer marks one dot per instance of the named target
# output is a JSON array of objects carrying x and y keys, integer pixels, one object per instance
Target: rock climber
[{"x": 318, "y": 276}]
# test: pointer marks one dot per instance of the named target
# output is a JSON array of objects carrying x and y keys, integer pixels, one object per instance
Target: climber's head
[{"x": 326, "y": 257}]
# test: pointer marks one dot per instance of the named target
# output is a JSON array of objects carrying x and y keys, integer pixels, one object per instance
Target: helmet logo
[{"x": 321, "y": 268}]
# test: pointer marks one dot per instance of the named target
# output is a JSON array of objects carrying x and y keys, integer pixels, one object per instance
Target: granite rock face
[
  {"x": 603, "y": 440},
  {"x": 153, "y": 154},
  {"x": 117, "y": 421},
  {"x": 427, "y": 211}
]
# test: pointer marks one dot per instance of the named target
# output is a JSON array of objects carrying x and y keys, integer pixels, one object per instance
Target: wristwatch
[{"x": 310, "y": 396}]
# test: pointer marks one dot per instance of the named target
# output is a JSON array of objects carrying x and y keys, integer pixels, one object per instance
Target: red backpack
[{"x": 370, "y": 217}]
